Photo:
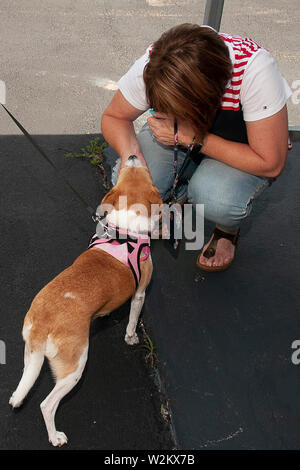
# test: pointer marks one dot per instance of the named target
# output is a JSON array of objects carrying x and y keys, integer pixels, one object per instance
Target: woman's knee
[
  {"x": 220, "y": 206},
  {"x": 215, "y": 210},
  {"x": 226, "y": 193}
]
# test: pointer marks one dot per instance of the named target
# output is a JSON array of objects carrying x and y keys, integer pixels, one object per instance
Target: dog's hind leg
[
  {"x": 67, "y": 372},
  {"x": 33, "y": 361},
  {"x": 33, "y": 364}
]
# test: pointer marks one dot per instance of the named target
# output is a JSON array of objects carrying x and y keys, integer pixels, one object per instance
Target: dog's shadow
[
  {"x": 111, "y": 320},
  {"x": 99, "y": 325}
]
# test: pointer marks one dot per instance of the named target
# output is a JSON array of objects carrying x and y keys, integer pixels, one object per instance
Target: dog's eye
[{"x": 138, "y": 212}]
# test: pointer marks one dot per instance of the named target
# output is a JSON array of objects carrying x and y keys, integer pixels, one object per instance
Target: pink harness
[{"x": 128, "y": 247}]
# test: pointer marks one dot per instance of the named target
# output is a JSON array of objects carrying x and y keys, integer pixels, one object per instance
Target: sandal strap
[
  {"x": 233, "y": 237},
  {"x": 217, "y": 234}
]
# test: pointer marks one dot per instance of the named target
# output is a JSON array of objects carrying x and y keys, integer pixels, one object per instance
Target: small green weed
[
  {"x": 149, "y": 346},
  {"x": 93, "y": 152}
]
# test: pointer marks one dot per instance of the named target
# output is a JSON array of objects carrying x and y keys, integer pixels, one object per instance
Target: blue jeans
[{"x": 227, "y": 193}]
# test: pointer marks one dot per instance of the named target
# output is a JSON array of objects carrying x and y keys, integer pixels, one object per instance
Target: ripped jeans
[{"x": 227, "y": 193}]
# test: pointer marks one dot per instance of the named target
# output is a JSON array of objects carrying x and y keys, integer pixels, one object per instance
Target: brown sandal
[{"x": 211, "y": 249}]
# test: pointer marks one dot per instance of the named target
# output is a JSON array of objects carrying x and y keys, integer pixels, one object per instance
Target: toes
[
  {"x": 14, "y": 401},
  {"x": 215, "y": 261},
  {"x": 59, "y": 439},
  {"x": 206, "y": 261},
  {"x": 132, "y": 340},
  {"x": 223, "y": 256}
]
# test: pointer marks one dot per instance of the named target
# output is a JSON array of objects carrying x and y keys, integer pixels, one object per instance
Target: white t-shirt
[{"x": 256, "y": 84}]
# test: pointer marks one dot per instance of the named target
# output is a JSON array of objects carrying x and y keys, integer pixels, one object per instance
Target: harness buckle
[{"x": 97, "y": 218}]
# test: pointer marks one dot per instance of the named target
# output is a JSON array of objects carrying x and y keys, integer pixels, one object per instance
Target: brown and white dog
[{"x": 58, "y": 321}]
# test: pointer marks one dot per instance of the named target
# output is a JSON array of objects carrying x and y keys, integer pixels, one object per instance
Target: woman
[{"x": 228, "y": 98}]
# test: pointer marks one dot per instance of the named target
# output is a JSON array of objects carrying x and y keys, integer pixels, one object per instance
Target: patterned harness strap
[{"x": 127, "y": 247}]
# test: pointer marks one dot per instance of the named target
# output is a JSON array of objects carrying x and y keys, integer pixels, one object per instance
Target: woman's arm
[
  {"x": 264, "y": 156},
  {"x": 118, "y": 130},
  {"x": 267, "y": 150}
]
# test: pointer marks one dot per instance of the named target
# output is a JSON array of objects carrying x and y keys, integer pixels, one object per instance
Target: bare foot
[{"x": 224, "y": 252}]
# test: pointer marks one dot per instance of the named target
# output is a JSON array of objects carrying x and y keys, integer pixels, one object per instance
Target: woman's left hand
[{"x": 162, "y": 127}]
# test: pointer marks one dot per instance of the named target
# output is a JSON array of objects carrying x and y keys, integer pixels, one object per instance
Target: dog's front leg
[
  {"x": 136, "y": 306},
  {"x": 137, "y": 301}
]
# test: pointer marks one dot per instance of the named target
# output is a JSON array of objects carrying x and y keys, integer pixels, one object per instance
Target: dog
[{"x": 58, "y": 321}]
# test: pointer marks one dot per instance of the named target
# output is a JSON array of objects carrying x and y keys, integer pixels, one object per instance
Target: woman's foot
[{"x": 219, "y": 252}]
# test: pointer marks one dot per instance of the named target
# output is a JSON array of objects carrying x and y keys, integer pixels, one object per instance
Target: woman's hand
[{"x": 162, "y": 127}]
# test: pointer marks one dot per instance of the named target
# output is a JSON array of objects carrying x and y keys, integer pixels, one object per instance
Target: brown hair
[{"x": 187, "y": 74}]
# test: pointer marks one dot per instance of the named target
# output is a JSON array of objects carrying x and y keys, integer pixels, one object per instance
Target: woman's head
[{"x": 187, "y": 74}]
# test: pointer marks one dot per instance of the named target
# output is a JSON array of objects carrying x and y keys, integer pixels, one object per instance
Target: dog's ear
[
  {"x": 110, "y": 197},
  {"x": 109, "y": 200},
  {"x": 155, "y": 196},
  {"x": 154, "y": 202}
]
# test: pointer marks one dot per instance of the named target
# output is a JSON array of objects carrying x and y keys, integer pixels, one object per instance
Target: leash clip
[{"x": 97, "y": 218}]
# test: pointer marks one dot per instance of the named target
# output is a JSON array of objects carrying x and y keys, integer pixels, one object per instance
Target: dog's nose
[{"x": 133, "y": 162}]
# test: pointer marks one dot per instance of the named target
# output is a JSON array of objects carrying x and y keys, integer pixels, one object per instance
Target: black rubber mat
[
  {"x": 117, "y": 404},
  {"x": 224, "y": 340}
]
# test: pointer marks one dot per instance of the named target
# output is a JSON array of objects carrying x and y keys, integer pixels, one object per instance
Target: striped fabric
[{"x": 243, "y": 48}]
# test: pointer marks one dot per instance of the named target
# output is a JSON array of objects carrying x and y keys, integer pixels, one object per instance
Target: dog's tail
[{"x": 34, "y": 356}]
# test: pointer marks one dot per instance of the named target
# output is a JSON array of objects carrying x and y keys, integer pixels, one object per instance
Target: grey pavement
[{"x": 59, "y": 59}]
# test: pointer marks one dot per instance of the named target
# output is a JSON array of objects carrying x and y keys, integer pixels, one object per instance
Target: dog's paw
[
  {"x": 15, "y": 401},
  {"x": 132, "y": 340},
  {"x": 58, "y": 439}
]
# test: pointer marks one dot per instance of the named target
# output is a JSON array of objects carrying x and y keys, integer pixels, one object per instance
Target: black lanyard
[{"x": 178, "y": 173}]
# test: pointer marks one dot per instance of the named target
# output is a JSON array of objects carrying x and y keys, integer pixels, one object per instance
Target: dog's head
[{"x": 134, "y": 202}]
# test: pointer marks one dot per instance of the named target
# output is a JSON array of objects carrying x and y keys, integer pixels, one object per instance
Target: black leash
[
  {"x": 176, "y": 216},
  {"x": 41, "y": 152},
  {"x": 178, "y": 172}
]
